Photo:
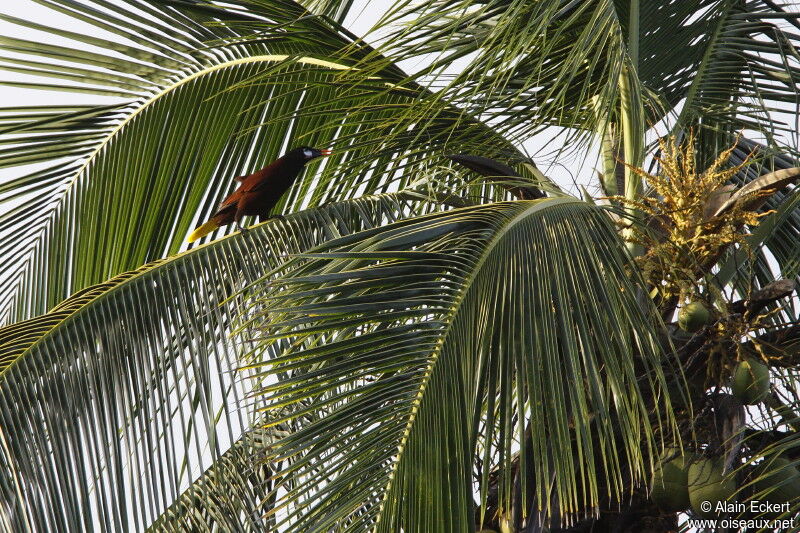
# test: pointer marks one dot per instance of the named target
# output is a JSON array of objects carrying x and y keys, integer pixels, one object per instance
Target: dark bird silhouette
[
  {"x": 259, "y": 191},
  {"x": 501, "y": 174}
]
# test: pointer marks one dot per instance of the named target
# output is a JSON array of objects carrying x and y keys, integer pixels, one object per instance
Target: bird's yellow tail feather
[{"x": 202, "y": 231}]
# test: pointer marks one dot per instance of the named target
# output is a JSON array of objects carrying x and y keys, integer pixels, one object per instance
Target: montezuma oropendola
[
  {"x": 259, "y": 191},
  {"x": 495, "y": 170}
]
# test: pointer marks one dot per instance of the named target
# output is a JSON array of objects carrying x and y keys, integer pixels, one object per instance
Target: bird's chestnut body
[{"x": 260, "y": 191}]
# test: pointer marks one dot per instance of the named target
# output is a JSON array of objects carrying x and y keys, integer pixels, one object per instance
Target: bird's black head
[{"x": 306, "y": 153}]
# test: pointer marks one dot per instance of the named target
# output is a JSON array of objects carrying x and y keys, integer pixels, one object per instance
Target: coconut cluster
[
  {"x": 750, "y": 381},
  {"x": 688, "y": 481}
]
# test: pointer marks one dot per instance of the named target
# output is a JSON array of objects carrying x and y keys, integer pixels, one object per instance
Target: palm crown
[{"x": 418, "y": 345}]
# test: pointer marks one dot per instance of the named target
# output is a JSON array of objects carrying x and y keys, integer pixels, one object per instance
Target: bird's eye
[{"x": 307, "y": 152}]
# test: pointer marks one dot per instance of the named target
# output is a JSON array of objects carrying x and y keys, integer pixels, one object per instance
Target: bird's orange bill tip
[{"x": 326, "y": 152}]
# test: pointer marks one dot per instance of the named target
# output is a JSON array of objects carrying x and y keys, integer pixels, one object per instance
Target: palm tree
[{"x": 416, "y": 345}]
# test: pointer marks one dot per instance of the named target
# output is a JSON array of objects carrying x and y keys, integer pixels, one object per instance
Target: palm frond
[
  {"x": 230, "y": 495},
  {"x": 114, "y": 402},
  {"x": 536, "y": 64},
  {"x": 742, "y": 69},
  {"x": 530, "y": 64},
  {"x": 208, "y": 91},
  {"x": 417, "y": 356},
  {"x": 335, "y": 9},
  {"x": 770, "y": 253}
]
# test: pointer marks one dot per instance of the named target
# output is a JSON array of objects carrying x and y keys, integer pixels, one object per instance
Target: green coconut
[
  {"x": 670, "y": 489},
  {"x": 750, "y": 383},
  {"x": 777, "y": 481},
  {"x": 708, "y": 484},
  {"x": 693, "y": 316}
]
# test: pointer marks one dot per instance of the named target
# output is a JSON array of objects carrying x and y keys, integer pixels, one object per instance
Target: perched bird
[
  {"x": 259, "y": 191},
  {"x": 494, "y": 170}
]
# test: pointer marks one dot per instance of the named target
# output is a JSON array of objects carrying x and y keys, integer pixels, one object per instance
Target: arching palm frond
[
  {"x": 416, "y": 357},
  {"x": 115, "y": 402},
  {"x": 533, "y": 64},
  {"x": 207, "y": 91},
  {"x": 780, "y": 229},
  {"x": 530, "y": 64},
  {"x": 231, "y": 495}
]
